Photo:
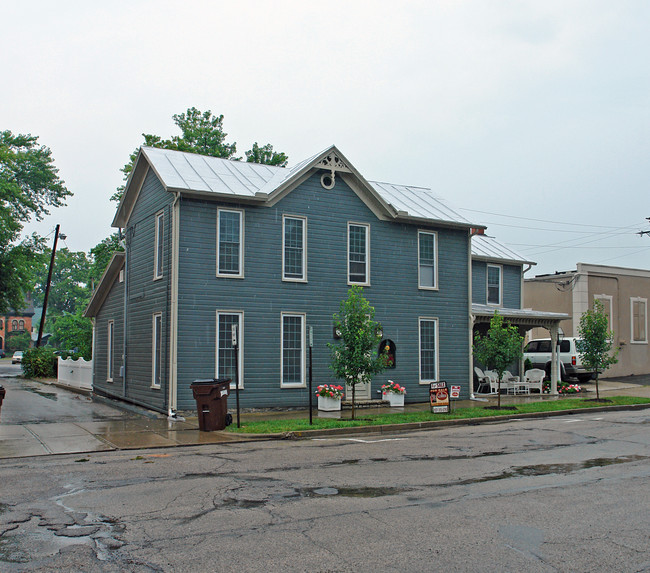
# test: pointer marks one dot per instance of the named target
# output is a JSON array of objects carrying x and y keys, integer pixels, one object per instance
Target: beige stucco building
[{"x": 624, "y": 293}]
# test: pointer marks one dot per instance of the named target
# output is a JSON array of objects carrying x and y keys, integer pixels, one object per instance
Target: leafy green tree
[
  {"x": 101, "y": 254},
  {"x": 73, "y": 332},
  {"x": 29, "y": 185},
  {"x": 355, "y": 359},
  {"x": 17, "y": 341},
  {"x": 201, "y": 132},
  {"x": 69, "y": 287},
  {"x": 266, "y": 155},
  {"x": 498, "y": 348},
  {"x": 596, "y": 341}
]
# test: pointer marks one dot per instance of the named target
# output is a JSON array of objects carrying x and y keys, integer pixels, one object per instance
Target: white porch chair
[
  {"x": 534, "y": 378},
  {"x": 484, "y": 386}
]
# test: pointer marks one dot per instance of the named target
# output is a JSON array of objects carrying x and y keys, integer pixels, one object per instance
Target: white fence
[{"x": 76, "y": 373}]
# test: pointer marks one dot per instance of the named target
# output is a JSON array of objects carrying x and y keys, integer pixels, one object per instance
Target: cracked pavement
[{"x": 555, "y": 494}]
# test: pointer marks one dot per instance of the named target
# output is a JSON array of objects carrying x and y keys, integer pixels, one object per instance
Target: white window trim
[
  {"x": 156, "y": 346},
  {"x": 158, "y": 242},
  {"x": 435, "y": 320},
  {"x": 610, "y": 299},
  {"x": 110, "y": 348},
  {"x": 303, "y": 352},
  {"x": 303, "y": 279},
  {"x": 240, "y": 274},
  {"x": 645, "y": 318},
  {"x": 347, "y": 262},
  {"x": 240, "y": 346},
  {"x": 487, "y": 285},
  {"x": 435, "y": 260}
]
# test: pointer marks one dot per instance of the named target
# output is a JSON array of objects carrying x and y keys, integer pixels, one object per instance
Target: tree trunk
[{"x": 354, "y": 386}]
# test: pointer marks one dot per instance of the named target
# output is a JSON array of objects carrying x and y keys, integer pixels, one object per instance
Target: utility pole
[
  {"x": 641, "y": 233},
  {"x": 47, "y": 287}
]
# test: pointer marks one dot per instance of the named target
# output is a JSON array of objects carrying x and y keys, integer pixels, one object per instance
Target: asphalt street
[{"x": 551, "y": 494}]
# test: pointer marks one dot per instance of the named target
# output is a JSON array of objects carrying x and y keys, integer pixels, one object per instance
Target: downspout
[{"x": 173, "y": 319}]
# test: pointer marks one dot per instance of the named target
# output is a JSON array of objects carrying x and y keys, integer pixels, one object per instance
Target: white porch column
[{"x": 554, "y": 369}]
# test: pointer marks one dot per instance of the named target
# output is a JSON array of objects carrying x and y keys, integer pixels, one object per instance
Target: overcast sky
[{"x": 531, "y": 117}]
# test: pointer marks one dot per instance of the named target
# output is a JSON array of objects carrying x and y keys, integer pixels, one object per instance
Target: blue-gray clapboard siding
[
  {"x": 147, "y": 296},
  {"x": 112, "y": 309},
  {"x": 262, "y": 295},
  {"x": 510, "y": 284}
]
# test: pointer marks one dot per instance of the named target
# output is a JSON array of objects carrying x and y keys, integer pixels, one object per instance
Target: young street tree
[
  {"x": 596, "y": 341},
  {"x": 498, "y": 348},
  {"x": 355, "y": 359},
  {"x": 202, "y": 132},
  {"x": 29, "y": 184}
]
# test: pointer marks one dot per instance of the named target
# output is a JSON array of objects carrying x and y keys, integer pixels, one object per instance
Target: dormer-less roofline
[{"x": 219, "y": 179}]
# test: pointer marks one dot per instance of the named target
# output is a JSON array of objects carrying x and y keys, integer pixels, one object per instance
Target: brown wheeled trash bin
[{"x": 212, "y": 403}]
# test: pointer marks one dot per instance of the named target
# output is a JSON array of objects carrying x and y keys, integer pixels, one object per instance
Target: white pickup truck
[{"x": 538, "y": 351}]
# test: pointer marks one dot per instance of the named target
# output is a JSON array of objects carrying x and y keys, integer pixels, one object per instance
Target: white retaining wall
[{"x": 76, "y": 373}]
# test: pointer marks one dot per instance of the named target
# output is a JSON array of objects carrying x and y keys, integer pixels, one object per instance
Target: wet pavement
[
  {"x": 38, "y": 418},
  {"x": 42, "y": 419}
]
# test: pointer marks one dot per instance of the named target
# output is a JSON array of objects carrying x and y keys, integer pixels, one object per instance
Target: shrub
[{"x": 39, "y": 363}]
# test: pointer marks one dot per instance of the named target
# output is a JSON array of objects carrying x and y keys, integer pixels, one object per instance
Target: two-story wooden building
[{"x": 212, "y": 242}]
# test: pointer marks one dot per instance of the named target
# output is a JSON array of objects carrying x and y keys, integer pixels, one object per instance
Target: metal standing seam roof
[
  {"x": 484, "y": 247},
  {"x": 198, "y": 173}
]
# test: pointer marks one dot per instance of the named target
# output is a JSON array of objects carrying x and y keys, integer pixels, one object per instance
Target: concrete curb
[{"x": 433, "y": 424}]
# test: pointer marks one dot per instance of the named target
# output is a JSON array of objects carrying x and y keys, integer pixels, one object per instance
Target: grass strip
[{"x": 272, "y": 426}]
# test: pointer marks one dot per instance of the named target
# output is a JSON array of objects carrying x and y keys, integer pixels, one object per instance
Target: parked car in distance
[
  {"x": 538, "y": 351},
  {"x": 17, "y": 358}
]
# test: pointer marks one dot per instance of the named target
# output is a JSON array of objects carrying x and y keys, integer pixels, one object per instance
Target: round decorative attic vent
[{"x": 327, "y": 180}]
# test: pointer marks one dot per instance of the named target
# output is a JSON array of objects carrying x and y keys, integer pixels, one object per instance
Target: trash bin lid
[{"x": 211, "y": 381}]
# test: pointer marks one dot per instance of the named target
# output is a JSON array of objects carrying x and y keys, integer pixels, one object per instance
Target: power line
[{"x": 572, "y": 224}]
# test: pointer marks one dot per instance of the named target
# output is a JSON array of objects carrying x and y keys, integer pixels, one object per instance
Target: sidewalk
[{"x": 41, "y": 419}]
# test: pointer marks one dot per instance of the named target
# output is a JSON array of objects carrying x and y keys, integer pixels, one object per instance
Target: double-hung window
[
  {"x": 225, "y": 355},
  {"x": 158, "y": 247},
  {"x": 156, "y": 350},
  {"x": 358, "y": 253},
  {"x": 293, "y": 350},
  {"x": 427, "y": 275},
  {"x": 230, "y": 243},
  {"x": 294, "y": 248},
  {"x": 428, "y": 350},
  {"x": 110, "y": 351},
  {"x": 639, "y": 315},
  {"x": 494, "y": 284}
]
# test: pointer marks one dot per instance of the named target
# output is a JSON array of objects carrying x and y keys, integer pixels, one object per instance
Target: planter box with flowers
[
  {"x": 394, "y": 393},
  {"x": 329, "y": 397}
]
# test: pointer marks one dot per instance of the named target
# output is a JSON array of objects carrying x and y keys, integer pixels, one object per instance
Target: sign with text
[
  {"x": 455, "y": 392},
  {"x": 439, "y": 397}
]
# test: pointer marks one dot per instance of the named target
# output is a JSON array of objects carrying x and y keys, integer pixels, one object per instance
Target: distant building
[
  {"x": 16, "y": 321},
  {"x": 624, "y": 293}
]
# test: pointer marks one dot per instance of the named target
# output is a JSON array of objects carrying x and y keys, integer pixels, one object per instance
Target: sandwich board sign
[{"x": 439, "y": 397}]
